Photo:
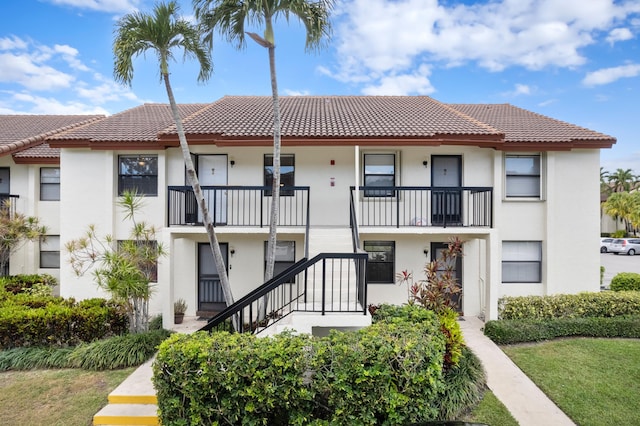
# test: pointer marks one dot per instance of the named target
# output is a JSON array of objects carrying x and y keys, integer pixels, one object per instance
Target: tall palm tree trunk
[{"x": 197, "y": 190}]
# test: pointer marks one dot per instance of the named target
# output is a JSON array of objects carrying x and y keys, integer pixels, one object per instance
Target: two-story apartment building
[
  {"x": 394, "y": 176},
  {"x": 30, "y": 181}
]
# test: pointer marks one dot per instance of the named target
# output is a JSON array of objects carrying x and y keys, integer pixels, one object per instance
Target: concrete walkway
[{"x": 526, "y": 402}]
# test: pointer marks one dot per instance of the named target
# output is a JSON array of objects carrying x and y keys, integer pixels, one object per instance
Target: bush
[
  {"x": 626, "y": 281},
  {"x": 23, "y": 283},
  {"x": 27, "y": 321},
  {"x": 583, "y": 305},
  {"x": 464, "y": 386},
  {"x": 533, "y": 330}
]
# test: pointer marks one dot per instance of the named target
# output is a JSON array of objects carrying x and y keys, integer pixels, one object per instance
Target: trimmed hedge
[
  {"x": 20, "y": 283},
  {"x": 582, "y": 305},
  {"x": 533, "y": 330},
  {"x": 387, "y": 374},
  {"x": 626, "y": 281},
  {"x": 27, "y": 321}
]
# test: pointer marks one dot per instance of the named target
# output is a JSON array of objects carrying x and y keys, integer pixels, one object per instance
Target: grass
[
  {"x": 491, "y": 411},
  {"x": 594, "y": 381},
  {"x": 55, "y": 397}
]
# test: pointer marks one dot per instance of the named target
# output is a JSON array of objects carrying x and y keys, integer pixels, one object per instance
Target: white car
[
  {"x": 605, "y": 243},
  {"x": 628, "y": 246}
]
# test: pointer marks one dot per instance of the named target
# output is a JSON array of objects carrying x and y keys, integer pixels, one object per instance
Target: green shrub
[
  {"x": 464, "y": 386},
  {"x": 620, "y": 233},
  {"x": 155, "y": 323},
  {"x": 532, "y": 330},
  {"x": 123, "y": 351},
  {"x": 626, "y": 281},
  {"x": 27, "y": 321},
  {"x": 23, "y": 283},
  {"x": 603, "y": 304},
  {"x": 34, "y": 358}
]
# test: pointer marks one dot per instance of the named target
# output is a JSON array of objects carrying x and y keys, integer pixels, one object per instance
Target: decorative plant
[
  {"x": 124, "y": 269},
  {"x": 437, "y": 290},
  {"x": 180, "y": 306}
]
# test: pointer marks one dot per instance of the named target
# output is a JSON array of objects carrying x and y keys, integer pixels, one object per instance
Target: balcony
[
  {"x": 8, "y": 204},
  {"x": 244, "y": 206},
  {"x": 412, "y": 206}
]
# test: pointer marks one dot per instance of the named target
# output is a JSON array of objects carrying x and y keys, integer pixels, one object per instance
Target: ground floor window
[
  {"x": 50, "y": 251},
  {"x": 285, "y": 256},
  {"x": 381, "y": 262},
  {"x": 521, "y": 261}
]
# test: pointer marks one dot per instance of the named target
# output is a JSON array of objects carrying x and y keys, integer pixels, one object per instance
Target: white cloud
[
  {"x": 290, "y": 92},
  {"x": 27, "y": 71},
  {"x": 69, "y": 54},
  {"x": 547, "y": 102},
  {"x": 43, "y": 105},
  {"x": 619, "y": 34},
  {"x": 378, "y": 38},
  {"x": 112, "y": 6},
  {"x": 407, "y": 84},
  {"x": 105, "y": 91},
  {"x": 609, "y": 75},
  {"x": 519, "y": 89},
  {"x": 12, "y": 43}
]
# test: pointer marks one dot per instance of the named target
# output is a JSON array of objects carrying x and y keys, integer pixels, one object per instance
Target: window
[
  {"x": 287, "y": 173},
  {"x": 379, "y": 170},
  {"x": 146, "y": 251},
  {"x": 50, "y": 184},
  {"x": 138, "y": 172},
  {"x": 285, "y": 256},
  {"x": 380, "y": 266},
  {"x": 50, "y": 251},
  {"x": 521, "y": 261},
  {"x": 522, "y": 176}
]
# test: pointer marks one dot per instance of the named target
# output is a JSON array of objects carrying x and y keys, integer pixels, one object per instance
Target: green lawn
[{"x": 594, "y": 381}]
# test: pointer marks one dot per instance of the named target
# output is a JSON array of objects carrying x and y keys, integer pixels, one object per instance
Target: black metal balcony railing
[
  {"x": 8, "y": 203},
  {"x": 330, "y": 282},
  {"x": 424, "y": 206},
  {"x": 238, "y": 205}
]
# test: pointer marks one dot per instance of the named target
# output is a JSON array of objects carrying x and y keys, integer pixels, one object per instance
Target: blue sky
[{"x": 574, "y": 60}]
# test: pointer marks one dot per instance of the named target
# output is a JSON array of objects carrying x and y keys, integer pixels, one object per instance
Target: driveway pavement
[{"x": 615, "y": 264}]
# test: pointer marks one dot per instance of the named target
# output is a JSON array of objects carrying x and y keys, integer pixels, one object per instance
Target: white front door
[{"x": 212, "y": 171}]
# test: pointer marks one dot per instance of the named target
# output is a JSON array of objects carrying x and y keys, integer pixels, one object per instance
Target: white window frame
[
  {"x": 539, "y": 176},
  {"x": 522, "y": 255},
  {"x": 50, "y": 248}
]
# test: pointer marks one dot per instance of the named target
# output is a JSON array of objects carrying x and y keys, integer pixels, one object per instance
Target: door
[
  {"x": 436, "y": 253},
  {"x": 210, "y": 296},
  {"x": 212, "y": 171},
  {"x": 446, "y": 203},
  {"x": 4, "y": 182}
]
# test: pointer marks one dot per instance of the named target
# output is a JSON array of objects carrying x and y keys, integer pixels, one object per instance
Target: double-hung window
[
  {"x": 50, "y": 251},
  {"x": 522, "y": 176},
  {"x": 521, "y": 261},
  {"x": 287, "y": 173},
  {"x": 379, "y": 171},
  {"x": 138, "y": 173},
  {"x": 50, "y": 184},
  {"x": 285, "y": 256},
  {"x": 381, "y": 261}
]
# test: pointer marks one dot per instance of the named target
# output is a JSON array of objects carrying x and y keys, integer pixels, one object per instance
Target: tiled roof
[
  {"x": 42, "y": 150},
  {"x": 18, "y": 132},
  {"x": 139, "y": 124},
  {"x": 520, "y": 125},
  {"x": 330, "y": 117}
]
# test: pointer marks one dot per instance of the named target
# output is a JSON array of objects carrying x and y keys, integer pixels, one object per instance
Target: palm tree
[
  {"x": 605, "y": 187},
  {"x": 161, "y": 33},
  {"x": 621, "y": 205},
  {"x": 229, "y": 17},
  {"x": 623, "y": 180}
]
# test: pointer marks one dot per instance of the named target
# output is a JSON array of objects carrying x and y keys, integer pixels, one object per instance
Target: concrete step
[{"x": 127, "y": 414}]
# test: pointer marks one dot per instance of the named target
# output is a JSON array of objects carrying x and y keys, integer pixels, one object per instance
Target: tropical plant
[
  {"x": 625, "y": 206},
  {"x": 436, "y": 292},
  {"x": 622, "y": 180},
  {"x": 180, "y": 306},
  {"x": 161, "y": 33},
  {"x": 124, "y": 269},
  {"x": 15, "y": 230},
  {"x": 229, "y": 17}
]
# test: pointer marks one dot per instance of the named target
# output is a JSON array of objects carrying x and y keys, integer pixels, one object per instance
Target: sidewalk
[{"x": 526, "y": 402}]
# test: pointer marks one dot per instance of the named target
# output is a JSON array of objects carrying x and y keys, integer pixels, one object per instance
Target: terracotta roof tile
[
  {"x": 139, "y": 124},
  {"x": 334, "y": 117},
  {"x": 39, "y": 151},
  {"x": 18, "y": 132},
  {"x": 520, "y": 125}
]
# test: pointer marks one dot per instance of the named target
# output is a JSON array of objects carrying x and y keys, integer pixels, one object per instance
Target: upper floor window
[
  {"x": 50, "y": 184},
  {"x": 522, "y": 175},
  {"x": 138, "y": 173},
  {"x": 50, "y": 251},
  {"x": 521, "y": 261},
  {"x": 285, "y": 257},
  {"x": 287, "y": 173},
  {"x": 381, "y": 262},
  {"x": 379, "y": 170}
]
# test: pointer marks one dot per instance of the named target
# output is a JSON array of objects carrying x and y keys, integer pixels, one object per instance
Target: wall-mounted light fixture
[
  {"x": 232, "y": 162},
  {"x": 232, "y": 251},
  {"x": 426, "y": 252},
  {"x": 425, "y": 162}
]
